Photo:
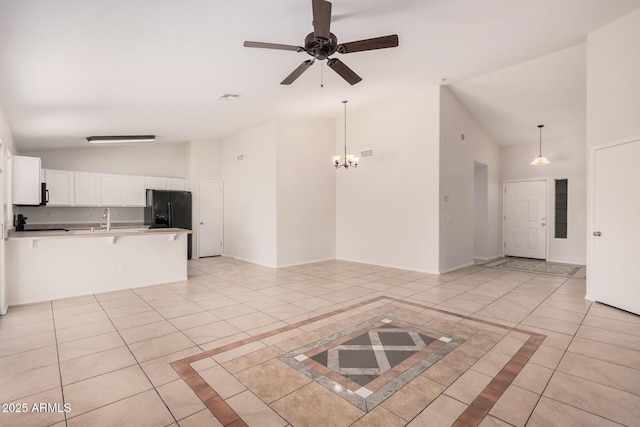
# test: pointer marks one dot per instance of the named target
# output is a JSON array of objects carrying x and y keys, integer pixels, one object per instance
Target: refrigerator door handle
[{"x": 170, "y": 213}]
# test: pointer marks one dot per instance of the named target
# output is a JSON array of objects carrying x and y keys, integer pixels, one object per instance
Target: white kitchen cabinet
[
  {"x": 111, "y": 190},
  {"x": 60, "y": 186},
  {"x": 176, "y": 184},
  {"x": 26, "y": 188},
  {"x": 87, "y": 189},
  {"x": 135, "y": 191},
  {"x": 155, "y": 183}
]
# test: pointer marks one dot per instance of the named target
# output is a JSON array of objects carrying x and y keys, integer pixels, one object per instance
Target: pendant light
[
  {"x": 350, "y": 161},
  {"x": 540, "y": 160}
]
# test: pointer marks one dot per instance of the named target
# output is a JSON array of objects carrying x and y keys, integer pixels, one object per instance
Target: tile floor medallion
[
  {"x": 380, "y": 356},
  {"x": 539, "y": 266},
  {"x": 369, "y": 362}
]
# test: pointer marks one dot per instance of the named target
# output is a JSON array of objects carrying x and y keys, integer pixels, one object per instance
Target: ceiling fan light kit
[
  {"x": 322, "y": 43},
  {"x": 540, "y": 160}
]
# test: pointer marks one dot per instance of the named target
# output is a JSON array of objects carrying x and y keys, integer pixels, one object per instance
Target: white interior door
[
  {"x": 526, "y": 219},
  {"x": 616, "y": 235},
  {"x": 210, "y": 215}
]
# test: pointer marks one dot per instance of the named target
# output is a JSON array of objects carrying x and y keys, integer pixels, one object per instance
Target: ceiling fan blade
[
  {"x": 321, "y": 19},
  {"x": 273, "y": 46},
  {"x": 369, "y": 44},
  {"x": 297, "y": 72},
  {"x": 344, "y": 71}
]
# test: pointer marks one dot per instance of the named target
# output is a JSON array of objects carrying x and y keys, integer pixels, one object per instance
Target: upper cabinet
[
  {"x": 122, "y": 190},
  {"x": 134, "y": 191},
  {"x": 155, "y": 183},
  {"x": 111, "y": 190},
  {"x": 176, "y": 184},
  {"x": 87, "y": 189},
  {"x": 69, "y": 188},
  {"x": 160, "y": 183},
  {"x": 60, "y": 186},
  {"x": 26, "y": 189}
]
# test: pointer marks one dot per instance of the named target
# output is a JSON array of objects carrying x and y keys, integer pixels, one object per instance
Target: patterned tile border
[
  {"x": 533, "y": 266},
  {"x": 368, "y": 397},
  {"x": 471, "y": 417}
]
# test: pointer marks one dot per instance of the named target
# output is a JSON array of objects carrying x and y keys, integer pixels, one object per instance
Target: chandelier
[{"x": 350, "y": 161}]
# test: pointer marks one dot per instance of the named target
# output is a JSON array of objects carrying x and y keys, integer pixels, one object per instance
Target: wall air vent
[{"x": 228, "y": 97}]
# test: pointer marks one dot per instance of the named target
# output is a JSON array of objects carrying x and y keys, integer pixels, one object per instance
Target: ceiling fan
[{"x": 322, "y": 43}]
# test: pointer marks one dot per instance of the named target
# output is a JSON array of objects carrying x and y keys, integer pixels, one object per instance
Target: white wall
[
  {"x": 306, "y": 190},
  {"x": 568, "y": 161},
  {"x": 168, "y": 160},
  {"x": 613, "y": 96},
  {"x": 387, "y": 211},
  {"x": 250, "y": 227},
  {"x": 613, "y": 86},
  {"x": 457, "y": 217}
]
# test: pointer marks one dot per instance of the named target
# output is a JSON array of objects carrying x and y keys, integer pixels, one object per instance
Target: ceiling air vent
[{"x": 228, "y": 97}]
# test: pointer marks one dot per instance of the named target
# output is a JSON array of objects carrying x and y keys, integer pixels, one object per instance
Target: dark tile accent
[
  {"x": 395, "y": 338},
  {"x": 396, "y": 356},
  {"x": 321, "y": 358},
  {"x": 201, "y": 388},
  {"x": 222, "y": 411},
  {"x": 357, "y": 359},
  {"x": 359, "y": 340}
]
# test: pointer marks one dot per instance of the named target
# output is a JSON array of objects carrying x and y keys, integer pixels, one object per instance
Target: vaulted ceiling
[{"x": 71, "y": 69}]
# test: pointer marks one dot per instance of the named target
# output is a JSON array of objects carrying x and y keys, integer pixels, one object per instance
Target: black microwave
[{"x": 44, "y": 195}]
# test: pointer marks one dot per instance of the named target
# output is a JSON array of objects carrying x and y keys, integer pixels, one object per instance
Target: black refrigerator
[{"x": 169, "y": 209}]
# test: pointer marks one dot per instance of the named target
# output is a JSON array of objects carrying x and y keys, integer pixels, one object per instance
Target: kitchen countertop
[{"x": 82, "y": 233}]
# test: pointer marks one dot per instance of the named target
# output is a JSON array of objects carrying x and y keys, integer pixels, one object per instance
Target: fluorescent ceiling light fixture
[{"x": 120, "y": 139}]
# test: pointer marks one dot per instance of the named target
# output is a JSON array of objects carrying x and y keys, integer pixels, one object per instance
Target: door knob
[
  {"x": 543, "y": 224},
  {"x": 202, "y": 223},
  {"x": 597, "y": 233}
]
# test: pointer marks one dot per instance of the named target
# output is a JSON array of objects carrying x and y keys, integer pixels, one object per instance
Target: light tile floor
[{"x": 108, "y": 356}]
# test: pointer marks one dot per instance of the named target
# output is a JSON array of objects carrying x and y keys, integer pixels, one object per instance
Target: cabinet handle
[{"x": 597, "y": 233}]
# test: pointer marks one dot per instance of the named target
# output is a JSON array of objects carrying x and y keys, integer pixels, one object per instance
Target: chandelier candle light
[
  {"x": 349, "y": 160},
  {"x": 540, "y": 160}
]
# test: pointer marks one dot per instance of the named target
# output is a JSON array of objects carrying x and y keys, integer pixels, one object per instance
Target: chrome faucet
[{"x": 106, "y": 215}]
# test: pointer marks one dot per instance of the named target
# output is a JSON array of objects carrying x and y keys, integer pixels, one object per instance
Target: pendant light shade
[{"x": 540, "y": 160}]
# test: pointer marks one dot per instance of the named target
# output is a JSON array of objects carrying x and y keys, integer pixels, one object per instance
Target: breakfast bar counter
[{"x": 58, "y": 264}]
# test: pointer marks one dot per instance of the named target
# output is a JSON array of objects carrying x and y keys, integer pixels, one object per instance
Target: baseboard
[
  {"x": 251, "y": 261},
  {"x": 458, "y": 267},
  {"x": 490, "y": 258},
  {"x": 305, "y": 262},
  {"x": 400, "y": 267},
  {"x": 564, "y": 262}
]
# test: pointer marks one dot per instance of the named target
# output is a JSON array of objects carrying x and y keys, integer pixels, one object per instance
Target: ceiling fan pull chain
[{"x": 321, "y": 74}]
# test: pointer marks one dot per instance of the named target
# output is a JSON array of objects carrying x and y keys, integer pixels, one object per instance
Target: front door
[
  {"x": 525, "y": 219},
  {"x": 209, "y": 218},
  {"x": 616, "y": 235}
]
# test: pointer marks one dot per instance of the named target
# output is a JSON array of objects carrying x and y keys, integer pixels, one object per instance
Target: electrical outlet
[
  {"x": 49, "y": 214},
  {"x": 122, "y": 267},
  {"x": 308, "y": 248}
]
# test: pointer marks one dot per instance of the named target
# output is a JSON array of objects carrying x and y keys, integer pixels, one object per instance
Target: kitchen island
[{"x": 45, "y": 265}]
